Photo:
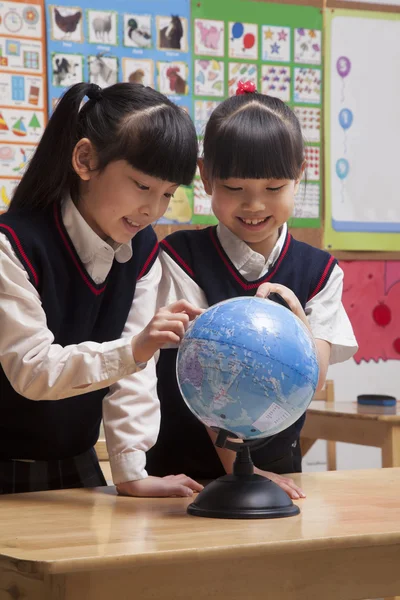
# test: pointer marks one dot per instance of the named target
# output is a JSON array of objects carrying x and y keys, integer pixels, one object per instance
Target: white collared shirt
[
  {"x": 325, "y": 312},
  {"x": 39, "y": 369}
]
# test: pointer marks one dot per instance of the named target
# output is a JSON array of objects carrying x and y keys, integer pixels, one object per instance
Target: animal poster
[
  {"x": 173, "y": 78},
  {"x": 23, "y": 107},
  {"x": 102, "y": 27},
  {"x": 172, "y": 32},
  {"x": 138, "y": 70},
  {"x": 132, "y": 41},
  {"x": 59, "y": 17},
  {"x": 209, "y": 37},
  {"x": 272, "y": 46},
  {"x": 138, "y": 31}
]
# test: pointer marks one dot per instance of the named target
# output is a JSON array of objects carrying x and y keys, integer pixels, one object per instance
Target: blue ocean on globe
[{"x": 249, "y": 366}]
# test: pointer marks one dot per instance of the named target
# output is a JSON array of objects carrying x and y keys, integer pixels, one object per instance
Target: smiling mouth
[{"x": 253, "y": 222}]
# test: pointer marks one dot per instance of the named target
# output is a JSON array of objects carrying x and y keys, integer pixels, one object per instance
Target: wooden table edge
[{"x": 248, "y": 551}]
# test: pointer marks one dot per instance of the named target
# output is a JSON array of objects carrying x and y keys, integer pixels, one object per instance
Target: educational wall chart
[
  {"x": 362, "y": 129},
  {"x": 102, "y": 42},
  {"x": 23, "y": 105},
  {"x": 371, "y": 297},
  {"x": 280, "y": 49}
]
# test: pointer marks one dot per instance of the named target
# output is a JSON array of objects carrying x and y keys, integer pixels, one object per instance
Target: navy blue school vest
[
  {"x": 77, "y": 310},
  {"x": 184, "y": 445}
]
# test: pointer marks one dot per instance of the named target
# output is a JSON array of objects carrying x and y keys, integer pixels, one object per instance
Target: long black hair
[
  {"x": 253, "y": 136},
  {"x": 125, "y": 121}
]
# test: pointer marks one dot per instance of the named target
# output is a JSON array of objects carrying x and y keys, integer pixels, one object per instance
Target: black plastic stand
[{"x": 242, "y": 495}]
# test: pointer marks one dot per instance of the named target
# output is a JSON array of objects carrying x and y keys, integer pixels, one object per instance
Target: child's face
[
  {"x": 120, "y": 201},
  {"x": 253, "y": 209}
]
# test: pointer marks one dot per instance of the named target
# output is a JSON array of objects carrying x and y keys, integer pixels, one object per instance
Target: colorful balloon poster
[
  {"x": 280, "y": 51},
  {"x": 361, "y": 131},
  {"x": 23, "y": 104}
]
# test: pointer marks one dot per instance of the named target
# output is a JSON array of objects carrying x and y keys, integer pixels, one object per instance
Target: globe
[{"x": 248, "y": 366}]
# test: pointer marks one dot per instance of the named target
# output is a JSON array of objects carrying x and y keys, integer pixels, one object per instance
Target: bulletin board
[
  {"x": 125, "y": 40},
  {"x": 279, "y": 48},
  {"x": 362, "y": 129},
  {"x": 23, "y": 104}
]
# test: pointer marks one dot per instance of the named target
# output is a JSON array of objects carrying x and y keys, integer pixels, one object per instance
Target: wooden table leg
[{"x": 391, "y": 447}]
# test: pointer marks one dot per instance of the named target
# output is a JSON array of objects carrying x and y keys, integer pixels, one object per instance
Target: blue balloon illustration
[
  {"x": 342, "y": 168},
  {"x": 237, "y": 30},
  {"x": 345, "y": 118}
]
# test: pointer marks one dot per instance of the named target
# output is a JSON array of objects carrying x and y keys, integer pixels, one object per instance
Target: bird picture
[
  {"x": 137, "y": 76},
  {"x": 138, "y": 34},
  {"x": 67, "y": 23}
]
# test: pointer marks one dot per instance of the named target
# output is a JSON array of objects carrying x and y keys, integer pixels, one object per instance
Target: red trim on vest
[
  {"x": 178, "y": 258},
  {"x": 322, "y": 279},
  {"x": 148, "y": 261},
  {"x": 85, "y": 278},
  {"x": 22, "y": 253},
  {"x": 235, "y": 274}
]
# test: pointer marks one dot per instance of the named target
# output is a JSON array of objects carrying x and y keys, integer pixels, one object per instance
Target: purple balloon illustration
[{"x": 343, "y": 66}]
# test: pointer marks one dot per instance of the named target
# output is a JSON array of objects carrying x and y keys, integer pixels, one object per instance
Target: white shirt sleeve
[
  {"x": 329, "y": 321},
  {"x": 36, "y": 367},
  {"x": 177, "y": 285},
  {"x": 131, "y": 411}
]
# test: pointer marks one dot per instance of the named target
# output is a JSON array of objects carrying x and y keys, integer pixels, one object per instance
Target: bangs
[
  {"x": 161, "y": 142},
  {"x": 254, "y": 143}
]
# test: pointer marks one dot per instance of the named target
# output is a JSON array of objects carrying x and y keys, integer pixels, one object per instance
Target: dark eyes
[{"x": 146, "y": 188}]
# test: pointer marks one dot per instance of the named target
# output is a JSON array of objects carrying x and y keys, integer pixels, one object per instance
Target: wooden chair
[{"x": 328, "y": 395}]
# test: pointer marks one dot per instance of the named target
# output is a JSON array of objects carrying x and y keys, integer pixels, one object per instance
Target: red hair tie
[{"x": 245, "y": 87}]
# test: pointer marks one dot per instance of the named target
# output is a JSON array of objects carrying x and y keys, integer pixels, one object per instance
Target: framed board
[
  {"x": 277, "y": 46},
  {"x": 23, "y": 103},
  {"x": 362, "y": 129}
]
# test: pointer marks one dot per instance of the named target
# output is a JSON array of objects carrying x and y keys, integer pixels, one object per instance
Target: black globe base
[{"x": 243, "y": 497}]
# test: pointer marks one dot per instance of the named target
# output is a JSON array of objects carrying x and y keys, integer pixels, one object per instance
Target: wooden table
[
  {"x": 93, "y": 545},
  {"x": 354, "y": 424}
]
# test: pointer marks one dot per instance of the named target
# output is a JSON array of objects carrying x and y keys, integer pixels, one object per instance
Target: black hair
[
  {"x": 253, "y": 136},
  {"x": 125, "y": 121}
]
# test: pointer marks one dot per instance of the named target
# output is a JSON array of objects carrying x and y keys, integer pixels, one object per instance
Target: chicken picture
[
  {"x": 176, "y": 83},
  {"x": 137, "y": 76},
  {"x": 67, "y": 23}
]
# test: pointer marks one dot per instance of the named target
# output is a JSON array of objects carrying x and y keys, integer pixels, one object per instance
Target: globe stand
[{"x": 242, "y": 495}]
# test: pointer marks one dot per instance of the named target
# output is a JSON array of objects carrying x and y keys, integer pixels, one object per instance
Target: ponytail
[
  {"x": 125, "y": 121},
  {"x": 50, "y": 170}
]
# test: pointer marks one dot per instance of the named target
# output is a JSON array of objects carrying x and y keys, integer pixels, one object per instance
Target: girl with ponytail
[{"x": 78, "y": 279}]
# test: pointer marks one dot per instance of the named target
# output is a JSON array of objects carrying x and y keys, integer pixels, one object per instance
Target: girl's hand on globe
[
  {"x": 168, "y": 326},
  {"x": 286, "y": 483},
  {"x": 155, "y": 487},
  {"x": 290, "y": 298}
]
